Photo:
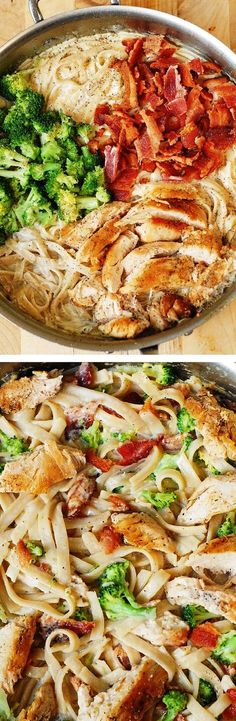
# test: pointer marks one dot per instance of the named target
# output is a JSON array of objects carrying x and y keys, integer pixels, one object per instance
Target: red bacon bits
[
  {"x": 230, "y": 713},
  {"x": 110, "y": 539},
  {"x": 103, "y": 464},
  {"x": 84, "y": 376},
  {"x": 133, "y": 451},
  {"x": 119, "y": 503},
  {"x": 174, "y": 117},
  {"x": 205, "y": 635},
  {"x": 48, "y": 624}
]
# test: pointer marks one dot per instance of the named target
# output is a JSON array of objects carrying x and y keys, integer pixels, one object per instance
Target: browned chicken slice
[
  {"x": 38, "y": 470},
  {"x": 168, "y": 630},
  {"x": 168, "y": 309},
  {"x": 158, "y": 229},
  {"x": 211, "y": 281},
  {"x": 130, "y": 698},
  {"x": 43, "y": 706},
  {"x": 113, "y": 267},
  {"x": 91, "y": 250},
  {"x": 28, "y": 392},
  {"x": 48, "y": 624},
  {"x": 87, "y": 291},
  {"x": 218, "y": 556},
  {"x": 216, "y": 424},
  {"x": 16, "y": 639},
  {"x": 173, "y": 190},
  {"x": 214, "y": 495},
  {"x": 120, "y": 317},
  {"x": 185, "y": 211},
  {"x": 140, "y": 529},
  {"x": 144, "y": 253},
  {"x": 163, "y": 274},
  {"x": 75, "y": 234},
  {"x": 182, "y": 591},
  {"x": 201, "y": 245},
  {"x": 79, "y": 495}
]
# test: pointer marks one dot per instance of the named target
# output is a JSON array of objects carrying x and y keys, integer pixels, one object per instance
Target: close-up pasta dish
[
  {"x": 118, "y": 545},
  {"x": 118, "y": 190}
]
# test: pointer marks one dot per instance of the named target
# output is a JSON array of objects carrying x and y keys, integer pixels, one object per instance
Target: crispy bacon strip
[
  {"x": 205, "y": 635},
  {"x": 130, "y": 95},
  {"x": 49, "y": 624},
  {"x": 110, "y": 539},
  {"x": 119, "y": 503}
]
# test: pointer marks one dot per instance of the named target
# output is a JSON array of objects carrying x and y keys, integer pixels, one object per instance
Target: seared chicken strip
[
  {"x": 182, "y": 591},
  {"x": 214, "y": 495},
  {"x": 87, "y": 291},
  {"x": 43, "y": 706},
  {"x": 130, "y": 698},
  {"x": 28, "y": 392},
  {"x": 168, "y": 630},
  {"x": 119, "y": 316},
  {"x": 75, "y": 234},
  {"x": 201, "y": 245},
  {"x": 144, "y": 253},
  {"x": 38, "y": 470},
  {"x": 211, "y": 281},
  {"x": 159, "y": 229},
  {"x": 140, "y": 529},
  {"x": 216, "y": 424},
  {"x": 218, "y": 556},
  {"x": 113, "y": 266},
  {"x": 16, "y": 639},
  {"x": 160, "y": 274}
]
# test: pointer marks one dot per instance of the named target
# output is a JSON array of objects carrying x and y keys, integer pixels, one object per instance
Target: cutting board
[{"x": 219, "y": 18}]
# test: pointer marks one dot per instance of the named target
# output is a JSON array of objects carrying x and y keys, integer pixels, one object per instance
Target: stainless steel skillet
[{"x": 86, "y": 22}]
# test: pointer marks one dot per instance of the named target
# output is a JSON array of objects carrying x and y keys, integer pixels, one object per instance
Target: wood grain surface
[{"x": 219, "y": 18}]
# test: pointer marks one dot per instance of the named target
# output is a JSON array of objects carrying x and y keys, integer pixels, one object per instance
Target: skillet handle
[{"x": 36, "y": 12}]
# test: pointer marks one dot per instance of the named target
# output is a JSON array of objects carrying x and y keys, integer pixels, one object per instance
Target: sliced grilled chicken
[
  {"x": 74, "y": 235},
  {"x": 214, "y": 495},
  {"x": 28, "y": 392},
  {"x": 43, "y": 706},
  {"x": 129, "y": 698},
  {"x": 209, "y": 282},
  {"x": 217, "y": 556},
  {"x": 201, "y": 245},
  {"x": 156, "y": 229},
  {"x": 87, "y": 291},
  {"x": 144, "y": 253},
  {"x": 113, "y": 266},
  {"x": 120, "y": 316},
  {"x": 38, "y": 470},
  {"x": 140, "y": 529},
  {"x": 168, "y": 630},
  {"x": 216, "y": 424},
  {"x": 182, "y": 591},
  {"x": 16, "y": 639},
  {"x": 162, "y": 274}
]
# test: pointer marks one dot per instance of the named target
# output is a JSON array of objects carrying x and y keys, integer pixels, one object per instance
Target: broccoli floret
[
  {"x": 12, "y": 85},
  {"x": 71, "y": 149},
  {"x": 94, "y": 180},
  {"x": 52, "y": 151},
  {"x": 3, "y": 114},
  {"x": 75, "y": 168},
  {"x": 225, "y": 651},
  {"x": 85, "y": 132},
  {"x": 159, "y": 500},
  {"x": 67, "y": 203},
  {"x": 3, "y": 238},
  {"x": 194, "y": 615},
  {"x": 186, "y": 442},
  {"x": 10, "y": 223},
  {"x": 67, "y": 127},
  {"x": 92, "y": 436},
  {"x": 17, "y": 128},
  {"x": 46, "y": 125},
  {"x": 35, "y": 208},
  {"x": 30, "y": 104},
  {"x": 103, "y": 196},
  {"x": 185, "y": 422},
  {"x": 5, "y": 201},
  {"x": 5, "y": 711},
  {"x": 114, "y": 595},
  {"x": 87, "y": 204},
  {"x": 90, "y": 159},
  {"x": 11, "y": 158},
  {"x": 206, "y": 693},
  {"x": 82, "y": 614},
  {"x": 176, "y": 702},
  {"x": 56, "y": 181},
  {"x": 40, "y": 170},
  {"x": 11, "y": 445},
  {"x": 228, "y": 526},
  {"x": 201, "y": 457},
  {"x": 36, "y": 548},
  {"x": 162, "y": 372},
  {"x": 122, "y": 436}
]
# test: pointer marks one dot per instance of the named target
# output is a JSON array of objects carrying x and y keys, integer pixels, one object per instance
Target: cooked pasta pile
[{"x": 116, "y": 466}]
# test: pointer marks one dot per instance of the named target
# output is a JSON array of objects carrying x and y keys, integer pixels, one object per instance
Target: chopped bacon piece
[
  {"x": 130, "y": 94},
  {"x": 195, "y": 109},
  {"x": 103, "y": 464},
  {"x": 188, "y": 135},
  {"x": 230, "y": 713},
  {"x": 153, "y": 44},
  {"x": 178, "y": 106},
  {"x": 220, "y": 115},
  {"x": 153, "y": 131},
  {"x": 223, "y": 88},
  {"x": 112, "y": 156},
  {"x": 172, "y": 84},
  {"x": 232, "y": 695},
  {"x": 100, "y": 113},
  {"x": 49, "y": 624},
  {"x": 110, "y": 538},
  {"x": 23, "y": 553},
  {"x": 119, "y": 502},
  {"x": 186, "y": 77},
  {"x": 84, "y": 376},
  {"x": 210, "y": 67},
  {"x": 196, "y": 65},
  {"x": 205, "y": 635},
  {"x": 133, "y": 451},
  {"x": 122, "y": 186},
  {"x": 135, "y": 52},
  {"x": 44, "y": 567},
  {"x": 79, "y": 495}
]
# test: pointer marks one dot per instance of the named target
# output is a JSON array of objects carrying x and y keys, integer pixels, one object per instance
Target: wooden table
[{"x": 219, "y": 18}]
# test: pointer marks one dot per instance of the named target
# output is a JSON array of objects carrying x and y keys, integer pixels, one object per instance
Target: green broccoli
[
  {"x": 67, "y": 127},
  {"x": 206, "y": 693},
  {"x": 163, "y": 373},
  {"x": 11, "y": 445},
  {"x": 194, "y": 615},
  {"x": 9, "y": 223},
  {"x": 18, "y": 129},
  {"x": 201, "y": 457},
  {"x": 82, "y": 614},
  {"x": 3, "y": 113},
  {"x": 68, "y": 208},
  {"x": 5, "y": 201},
  {"x": 93, "y": 180},
  {"x": 75, "y": 168},
  {"x": 123, "y": 436},
  {"x": 159, "y": 500},
  {"x": 185, "y": 422},
  {"x": 29, "y": 103},
  {"x": 3, "y": 238},
  {"x": 10, "y": 158},
  {"x": 85, "y": 132},
  {"x": 103, "y": 195},
  {"x": 57, "y": 181},
  {"x": 12, "y": 85},
  {"x": 87, "y": 204},
  {"x": 39, "y": 171},
  {"x": 52, "y": 151},
  {"x": 35, "y": 208},
  {"x": 176, "y": 702},
  {"x": 35, "y": 548},
  {"x": 225, "y": 651},
  {"x": 90, "y": 159},
  {"x": 92, "y": 436},
  {"x": 72, "y": 150},
  {"x": 228, "y": 526},
  {"x": 114, "y": 595}
]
